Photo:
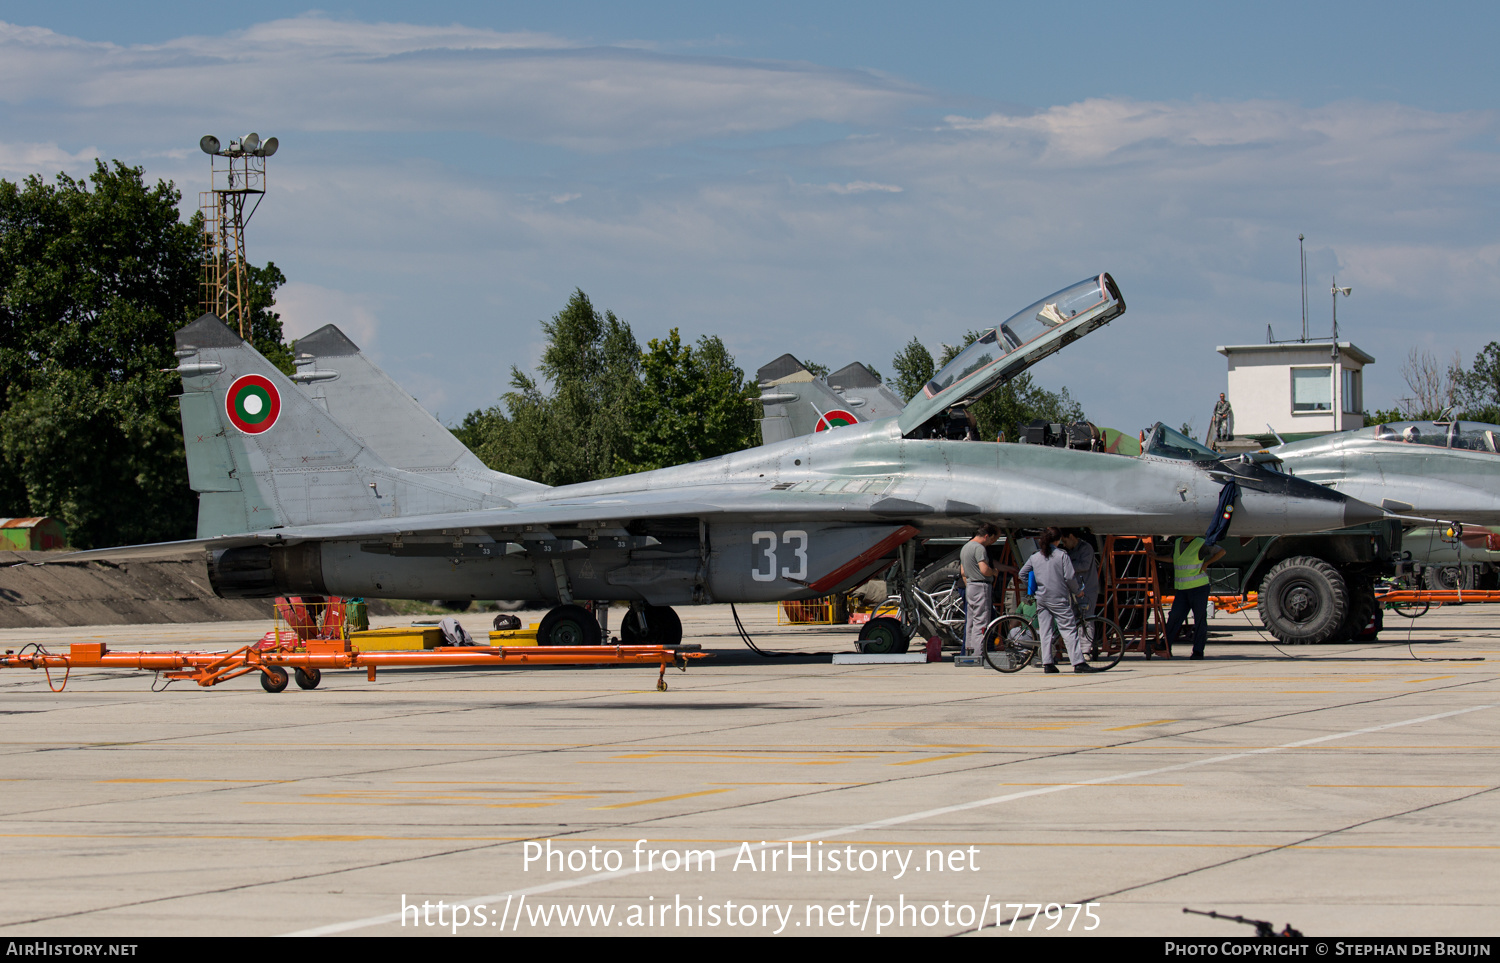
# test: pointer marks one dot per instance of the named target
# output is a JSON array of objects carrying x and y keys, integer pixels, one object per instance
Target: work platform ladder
[{"x": 1131, "y": 596}]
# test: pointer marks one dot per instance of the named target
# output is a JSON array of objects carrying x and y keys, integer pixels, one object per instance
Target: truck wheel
[
  {"x": 1364, "y": 622},
  {"x": 1304, "y": 600},
  {"x": 1448, "y": 578},
  {"x": 883, "y": 636}
]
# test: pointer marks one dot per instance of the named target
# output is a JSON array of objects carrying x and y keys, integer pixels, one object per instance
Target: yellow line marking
[
  {"x": 104, "y": 782},
  {"x": 780, "y": 784},
  {"x": 1139, "y": 725},
  {"x": 1435, "y": 678},
  {"x": 915, "y": 762},
  {"x": 644, "y": 802},
  {"x": 390, "y": 802}
]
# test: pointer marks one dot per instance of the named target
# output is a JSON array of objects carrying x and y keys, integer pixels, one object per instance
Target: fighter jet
[
  {"x": 1447, "y": 470},
  {"x": 293, "y": 502}
]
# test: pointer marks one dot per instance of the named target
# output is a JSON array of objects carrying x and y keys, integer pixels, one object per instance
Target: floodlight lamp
[
  {"x": 1345, "y": 291},
  {"x": 209, "y": 144},
  {"x": 250, "y": 142},
  {"x": 268, "y": 147}
]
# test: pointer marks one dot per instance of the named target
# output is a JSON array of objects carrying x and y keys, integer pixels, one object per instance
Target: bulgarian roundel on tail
[{"x": 253, "y": 404}]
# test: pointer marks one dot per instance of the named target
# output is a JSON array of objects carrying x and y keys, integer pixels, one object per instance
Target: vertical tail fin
[
  {"x": 349, "y": 386},
  {"x": 262, "y": 455}
]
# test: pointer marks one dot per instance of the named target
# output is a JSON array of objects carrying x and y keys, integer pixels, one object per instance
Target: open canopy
[{"x": 1021, "y": 341}]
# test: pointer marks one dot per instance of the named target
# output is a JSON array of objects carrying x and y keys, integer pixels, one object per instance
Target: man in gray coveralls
[{"x": 979, "y": 587}]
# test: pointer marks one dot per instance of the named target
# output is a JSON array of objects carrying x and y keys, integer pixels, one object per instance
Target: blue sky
[{"x": 830, "y": 179}]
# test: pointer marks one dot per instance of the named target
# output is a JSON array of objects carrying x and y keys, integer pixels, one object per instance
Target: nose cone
[{"x": 1357, "y": 512}]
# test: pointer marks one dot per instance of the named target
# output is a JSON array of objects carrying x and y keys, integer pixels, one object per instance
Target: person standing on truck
[
  {"x": 979, "y": 588},
  {"x": 1056, "y": 592},
  {"x": 1190, "y": 561}
]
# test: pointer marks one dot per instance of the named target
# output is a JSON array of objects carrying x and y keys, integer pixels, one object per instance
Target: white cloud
[
  {"x": 21, "y": 160},
  {"x": 304, "y": 308},
  {"x": 317, "y": 74},
  {"x": 860, "y": 187}
]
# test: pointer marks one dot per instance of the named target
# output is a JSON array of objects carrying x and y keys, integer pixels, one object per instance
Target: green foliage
[
  {"x": 579, "y": 431},
  {"x": 1384, "y": 416},
  {"x": 818, "y": 370},
  {"x": 95, "y": 277},
  {"x": 613, "y": 409},
  {"x": 1016, "y": 403},
  {"x": 914, "y": 368},
  {"x": 1478, "y": 389},
  {"x": 693, "y": 404}
]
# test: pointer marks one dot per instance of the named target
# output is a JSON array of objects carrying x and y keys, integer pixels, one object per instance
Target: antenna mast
[{"x": 237, "y": 172}]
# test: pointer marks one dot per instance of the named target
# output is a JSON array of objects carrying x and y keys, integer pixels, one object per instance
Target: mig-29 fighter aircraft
[{"x": 293, "y": 502}]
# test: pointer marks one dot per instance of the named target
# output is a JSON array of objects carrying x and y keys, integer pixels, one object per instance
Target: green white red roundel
[
  {"x": 837, "y": 418},
  {"x": 253, "y": 404}
]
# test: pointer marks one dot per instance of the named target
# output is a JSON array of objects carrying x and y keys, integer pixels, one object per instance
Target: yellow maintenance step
[{"x": 412, "y": 637}]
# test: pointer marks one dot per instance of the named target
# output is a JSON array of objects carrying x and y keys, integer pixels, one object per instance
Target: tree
[
  {"x": 1479, "y": 388},
  {"x": 613, "y": 409},
  {"x": 1433, "y": 389},
  {"x": 692, "y": 404},
  {"x": 95, "y": 277},
  {"x": 914, "y": 368},
  {"x": 578, "y": 431}
]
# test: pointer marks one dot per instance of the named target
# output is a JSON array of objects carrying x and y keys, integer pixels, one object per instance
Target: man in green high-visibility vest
[{"x": 1190, "y": 561}]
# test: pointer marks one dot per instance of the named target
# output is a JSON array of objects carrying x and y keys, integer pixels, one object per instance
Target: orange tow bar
[{"x": 309, "y": 659}]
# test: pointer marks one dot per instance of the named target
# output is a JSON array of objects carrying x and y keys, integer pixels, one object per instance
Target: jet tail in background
[
  {"x": 364, "y": 399},
  {"x": 263, "y": 455},
  {"x": 796, "y": 402}
]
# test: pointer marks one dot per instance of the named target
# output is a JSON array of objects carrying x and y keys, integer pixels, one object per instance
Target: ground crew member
[
  {"x": 979, "y": 574},
  {"x": 1190, "y": 561},
  {"x": 1056, "y": 591},
  {"x": 1085, "y": 568}
]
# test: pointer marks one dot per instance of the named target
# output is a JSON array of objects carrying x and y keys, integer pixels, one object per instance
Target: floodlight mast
[{"x": 236, "y": 172}]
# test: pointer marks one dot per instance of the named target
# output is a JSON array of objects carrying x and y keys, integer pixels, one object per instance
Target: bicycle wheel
[
  {"x": 1411, "y": 610},
  {"x": 1103, "y": 643},
  {"x": 1009, "y": 643}
]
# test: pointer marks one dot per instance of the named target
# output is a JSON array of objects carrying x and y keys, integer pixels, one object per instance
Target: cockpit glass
[
  {"x": 1163, "y": 442},
  {"x": 1467, "y": 435},
  {"x": 1021, "y": 328}
]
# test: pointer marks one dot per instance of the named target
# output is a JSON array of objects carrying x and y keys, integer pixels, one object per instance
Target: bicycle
[
  {"x": 1011, "y": 641},
  {"x": 1404, "y": 582}
]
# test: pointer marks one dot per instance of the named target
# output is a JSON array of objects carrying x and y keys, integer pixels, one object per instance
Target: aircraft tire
[
  {"x": 307, "y": 678},
  {"x": 1304, "y": 600},
  {"x": 1448, "y": 578},
  {"x": 663, "y": 627},
  {"x": 569, "y": 625},
  {"x": 273, "y": 678},
  {"x": 883, "y": 636}
]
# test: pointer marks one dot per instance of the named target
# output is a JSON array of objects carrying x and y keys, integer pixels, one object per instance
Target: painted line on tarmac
[{"x": 369, "y": 921}]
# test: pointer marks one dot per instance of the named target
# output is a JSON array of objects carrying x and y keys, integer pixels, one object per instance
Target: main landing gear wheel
[
  {"x": 569, "y": 625},
  {"x": 663, "y": 627},
  {"x": 273, "y": 678},
  {"x": 307, "y": 678},
  {"x": 883, "y": 636},
  {"x": 1010, "y": 643}
]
